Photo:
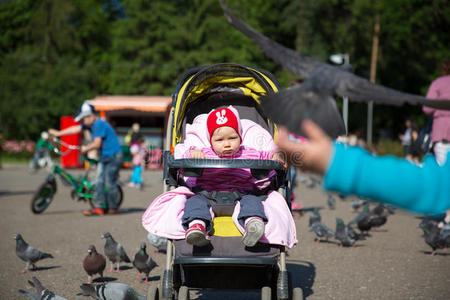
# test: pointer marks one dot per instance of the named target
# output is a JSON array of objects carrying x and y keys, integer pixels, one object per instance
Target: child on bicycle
[
  {"x": 104, "y": 139},
  {"x": 224, "y": 130}
]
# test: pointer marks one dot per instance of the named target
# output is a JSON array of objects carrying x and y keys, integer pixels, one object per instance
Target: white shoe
[{"x": 254, "y": 230}]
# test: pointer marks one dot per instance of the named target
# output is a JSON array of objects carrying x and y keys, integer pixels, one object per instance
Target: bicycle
[{"x": 83, "y": 188}]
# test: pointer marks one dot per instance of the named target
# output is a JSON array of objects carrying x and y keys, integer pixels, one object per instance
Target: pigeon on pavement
[
  {"x": 41, "y": 292},
  {"x": 342, "y": 234},
  {"x": 432, "y": 235},
  {"x": 143, "y": 262},
  {"x": 114, "y": 251},
  {"x": 445, "y": 236},
  {"x": 28, "y": 253},
  {"x": 314, "y": 98},
  {"x": 321, "y": 231},
  {"x": 352, "y": 233},
  {"x": 378, "y": 221},
  {"x": 159, "y": 242},
  {"x": 94, "y": 263},
  {"x": 314, "y": 217},
  {"x": 378, "y": 210},
  {"x": 362, "y": 220},
  {"x": 111, "y": 291},
  {"x": 356, "y": 203},
  {"x": 331, "y": 202}
]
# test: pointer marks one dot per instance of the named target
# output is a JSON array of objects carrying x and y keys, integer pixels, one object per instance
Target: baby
[{"x": 224, "y": 133}]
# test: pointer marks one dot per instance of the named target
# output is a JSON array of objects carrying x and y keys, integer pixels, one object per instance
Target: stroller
[{"x": 226, "y": 263}]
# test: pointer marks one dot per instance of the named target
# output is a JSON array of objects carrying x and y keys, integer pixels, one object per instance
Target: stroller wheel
[
  {"x": 183, "y": 293},
  {"x": 266, "y": 293}
]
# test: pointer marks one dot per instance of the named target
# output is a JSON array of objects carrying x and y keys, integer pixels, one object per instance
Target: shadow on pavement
[
  {"x": 310, "y": 209},
  {"x": 436, "y": 254},
  {"x": 4, "y": 193},
  {"x": 124, "y": 268},
  {"x": 131, "y": 210},
  {"x": 303, "y": 274},
  {"x": 105, "y": 279},
  {"x": 44, "y": 268},
  {"x": 61, "y": 212},
  {"x": 152, "y": 278}
]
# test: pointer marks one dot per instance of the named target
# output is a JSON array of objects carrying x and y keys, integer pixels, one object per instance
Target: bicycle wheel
[
  {"x": 42, "y": 198},
  {"x": 119, "y": 197}
]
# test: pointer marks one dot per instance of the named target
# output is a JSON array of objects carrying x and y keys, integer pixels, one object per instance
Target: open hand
[{"x": 312, "y": 155}]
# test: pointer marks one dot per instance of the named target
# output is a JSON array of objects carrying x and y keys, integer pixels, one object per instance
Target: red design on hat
[{"x": 223, "y": 117}]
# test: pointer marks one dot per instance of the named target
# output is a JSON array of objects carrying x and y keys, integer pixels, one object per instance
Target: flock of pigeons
[
  {"x": 436, "y": 235},
  {"x": 346, "y": 234},
  {"x": 94, "y": 263}
]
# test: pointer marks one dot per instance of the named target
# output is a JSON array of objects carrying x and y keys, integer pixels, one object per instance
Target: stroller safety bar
[{"x": 193, "y": 167}]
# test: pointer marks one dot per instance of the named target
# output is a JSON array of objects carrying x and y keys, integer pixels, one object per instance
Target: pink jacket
[
  {"x": 439, "y": 89},
  {"x": 280, "y": 228}
]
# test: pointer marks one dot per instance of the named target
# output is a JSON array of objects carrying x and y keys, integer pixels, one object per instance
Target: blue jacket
[{"x": 423, "y": 189}]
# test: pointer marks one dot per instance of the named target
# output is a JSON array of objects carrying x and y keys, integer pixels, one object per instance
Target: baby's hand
[
  {"x": 278, "y": 156},
  {"x": 197, "y": 154}
]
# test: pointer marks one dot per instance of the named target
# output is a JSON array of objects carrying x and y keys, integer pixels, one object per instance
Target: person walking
[
  {"x": 406, "y": 138},
  {"x": 440, "y": 131}
]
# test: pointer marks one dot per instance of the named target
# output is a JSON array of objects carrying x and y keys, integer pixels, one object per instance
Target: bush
[
  {"x": 15, "y": 151},
  {"x": 391, "y": 147}
]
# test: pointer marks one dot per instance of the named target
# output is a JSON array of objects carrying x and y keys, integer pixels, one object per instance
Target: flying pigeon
[
  {"x": 143, "y": 262},
  {"x": 314, "y": 217},
  {"x": 111, "y": 291},
  {"x": 114, "y": 251},
  {"x": 94, "y": 263},
  {"x": 321, "y": 231},
  {"x": 41, "y": 292},
  {"x": 27, "y": 253},
  {"x": 342, "y": 234},
  {"x": 314, "y": 98}
]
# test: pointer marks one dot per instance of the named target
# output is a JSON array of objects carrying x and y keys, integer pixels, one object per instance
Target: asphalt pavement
[{"x": 390, "y": 264}]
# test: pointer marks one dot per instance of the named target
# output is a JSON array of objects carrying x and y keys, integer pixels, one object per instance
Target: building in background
[{"x": 122, "y": 111}]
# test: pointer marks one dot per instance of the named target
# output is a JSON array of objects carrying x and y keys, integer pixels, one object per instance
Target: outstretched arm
[{"x": 70, "y": 130}]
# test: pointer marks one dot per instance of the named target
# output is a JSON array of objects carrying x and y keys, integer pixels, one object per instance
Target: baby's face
[{"x": 225, "y": 141}]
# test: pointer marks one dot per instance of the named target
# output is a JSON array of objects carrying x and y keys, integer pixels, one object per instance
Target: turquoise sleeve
[{"x": 423, "y": 189}]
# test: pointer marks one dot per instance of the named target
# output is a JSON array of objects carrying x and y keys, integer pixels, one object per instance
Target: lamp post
[{"x": 343, "y": 59}]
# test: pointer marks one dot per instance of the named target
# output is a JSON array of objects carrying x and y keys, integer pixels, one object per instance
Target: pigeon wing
[
  {"x": 295, "y": 62},
  {"x": 123, "y": 255}
]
